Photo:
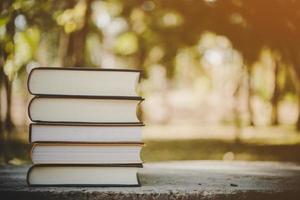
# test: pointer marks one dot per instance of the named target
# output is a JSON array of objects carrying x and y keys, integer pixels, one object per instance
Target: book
[
  {"x": 83, "y": 81},
  {"x": 83, "y": 175},
  {"x": 85, "y": 130},
  {"x": 84, "y": 133},
  {"x": 63, "y": 153},
  {"x": 84, "y": 110}
]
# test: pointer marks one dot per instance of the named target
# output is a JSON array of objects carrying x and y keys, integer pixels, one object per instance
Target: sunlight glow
[
  {"x": 171, "y": 19},
  {"x": 102, "y": 19},
  {"x": 20, "y": 22},
  {"x": 214, "y": 56}
]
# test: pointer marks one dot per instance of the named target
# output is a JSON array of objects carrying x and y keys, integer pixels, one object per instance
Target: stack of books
[{"x": 85, "y": 128}]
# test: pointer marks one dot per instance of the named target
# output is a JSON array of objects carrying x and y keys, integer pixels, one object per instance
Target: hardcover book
[
  {"x": 83, "y": 81},
  {"x": 85, "y": 133},
  {"x": 83, "y": 175},
  {"x": 84, "y": 110},
  {"x": 63, "y": 153}
]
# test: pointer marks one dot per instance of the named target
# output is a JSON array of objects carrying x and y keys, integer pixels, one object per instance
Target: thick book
[
  {"x": 80, "y": 153},
  {"x": 83, "y": 81},
  {"x": 85, "y": 133},
  {"x": 83, "y": 175},
  {"x": 84, "y": 110}
]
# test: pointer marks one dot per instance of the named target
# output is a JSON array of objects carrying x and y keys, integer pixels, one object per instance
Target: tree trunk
[
  {"x": 8, "y": 123},
  {"x": 249, "y": 97},
  {"x": 75, "y": 56},
  {"x": 11, "y": 30},
  {"x": 298, "y": 95},
  {"x": 63, "y": 48},
  {"x": 295, "y": 75},
  {"x": 298, "y": 120},
  {"x": 275, "y": 97},
  {"x": 236, "y": 111},
  {"x": 1, "y": 83}
]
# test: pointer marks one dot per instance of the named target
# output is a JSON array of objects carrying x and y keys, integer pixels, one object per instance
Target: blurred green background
[{"x": 221, "y": 78}]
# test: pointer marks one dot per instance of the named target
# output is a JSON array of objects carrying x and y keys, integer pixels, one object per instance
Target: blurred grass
[
  {"x": 15, "y": 150},
  {"x": 212, "y": 149}
]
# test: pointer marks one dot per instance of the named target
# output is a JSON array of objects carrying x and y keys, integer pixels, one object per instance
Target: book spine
[
  {"x": 28, "y": 175},
  {"x": 30, "y": 133}
]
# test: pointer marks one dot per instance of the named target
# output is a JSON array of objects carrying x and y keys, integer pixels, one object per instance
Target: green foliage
[
  {"x": 144, "y": 34},
  {"x": 126, "y": 44}
]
